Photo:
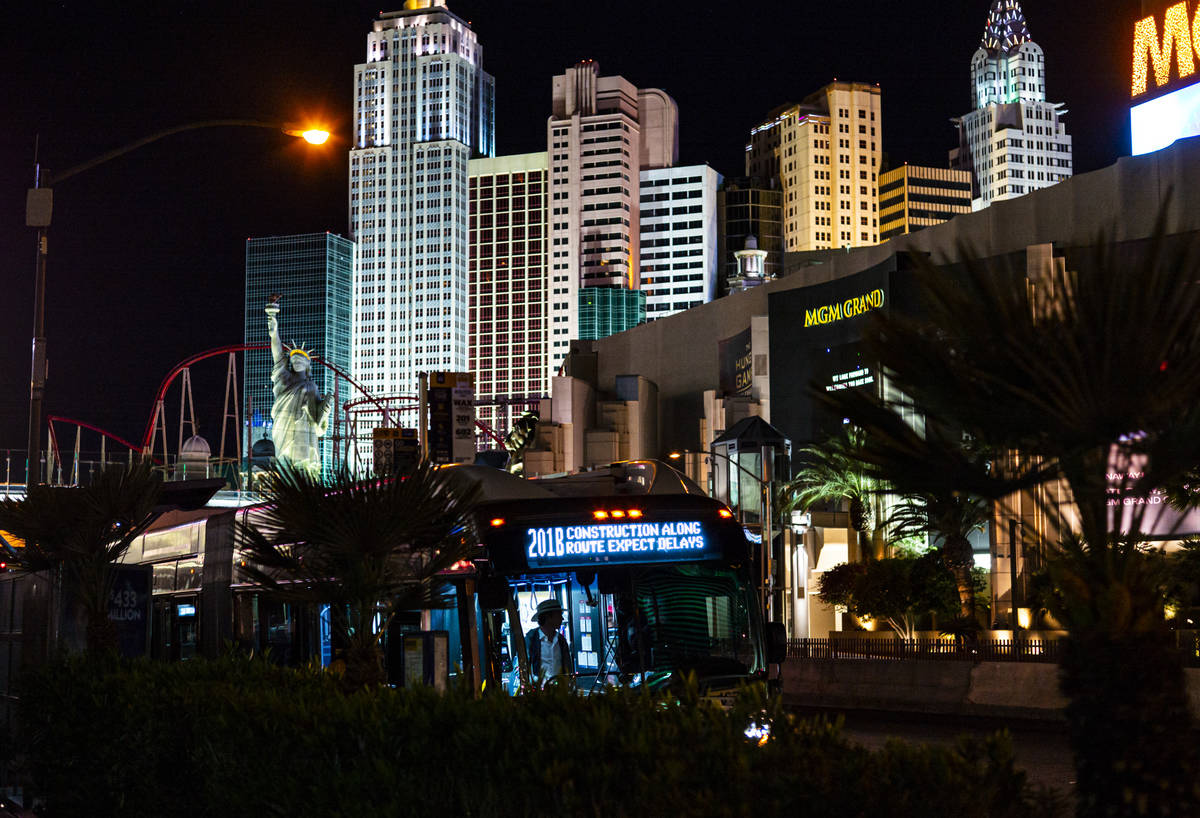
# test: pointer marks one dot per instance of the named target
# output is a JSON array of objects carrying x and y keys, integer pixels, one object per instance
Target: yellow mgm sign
[
  {"x": 1153, "y": 52},
  {"x": 851, "y": 307},
  {"x": 1171, "y": 109}
]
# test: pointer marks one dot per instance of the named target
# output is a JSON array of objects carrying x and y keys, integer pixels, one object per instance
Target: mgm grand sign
[
  {"x": 1166, "y": 46},
  {"x": 849, "y": 308}
]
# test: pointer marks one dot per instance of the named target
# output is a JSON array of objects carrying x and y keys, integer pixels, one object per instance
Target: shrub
[{"x": 239, "y": 737}]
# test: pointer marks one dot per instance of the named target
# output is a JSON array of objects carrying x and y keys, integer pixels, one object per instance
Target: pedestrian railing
[
  {"x": 927, "y": 649},
  {"x": 1028, "y": 649},
  {"x": 1188, "y": 642}
]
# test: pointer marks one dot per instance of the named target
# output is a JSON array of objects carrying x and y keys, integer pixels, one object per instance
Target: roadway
[{"x": 1040, "y": 748}]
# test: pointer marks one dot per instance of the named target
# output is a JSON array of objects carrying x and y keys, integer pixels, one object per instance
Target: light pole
[
  {"x": 767, "y": 489},
  {"x": 39, "y": 206}
]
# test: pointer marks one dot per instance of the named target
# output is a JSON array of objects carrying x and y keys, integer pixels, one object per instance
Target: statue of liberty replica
[{"x": 299, "y": 415}]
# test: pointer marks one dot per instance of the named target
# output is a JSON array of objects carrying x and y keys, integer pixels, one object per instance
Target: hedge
[{"x": 241, "y": 737}]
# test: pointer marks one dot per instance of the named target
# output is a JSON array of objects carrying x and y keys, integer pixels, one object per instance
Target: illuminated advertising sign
[
  {"x": 397, "y": 451},
  {"x": 450, "y": 397},
  {"x": 1164, "y": 48},
  {"x": 1152, "y": 514},
  {"x": 1150, "y": 51},
  {"x": 859, "y": 376},
  {"x": 1158, "y": 123},
  {"x": 585, "y": 546},
  {"x": 839, "y": 310}
]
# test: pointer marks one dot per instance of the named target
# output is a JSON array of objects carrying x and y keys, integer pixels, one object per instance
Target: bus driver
[{"x": 549, "y": 654}]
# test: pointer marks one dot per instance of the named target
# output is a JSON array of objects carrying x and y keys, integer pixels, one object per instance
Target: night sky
[{"x": 147, "y": 252}]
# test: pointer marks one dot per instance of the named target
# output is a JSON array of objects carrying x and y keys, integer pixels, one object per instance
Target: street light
[
  {"x": 766, "y": 512},
  {"x": 709, "y": 453},
  {"x": 312, "y": 136},
  {"x": 39, "y": 206}
]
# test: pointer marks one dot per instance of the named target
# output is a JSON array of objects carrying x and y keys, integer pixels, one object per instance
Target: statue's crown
[{"x": 298, "y": 350}]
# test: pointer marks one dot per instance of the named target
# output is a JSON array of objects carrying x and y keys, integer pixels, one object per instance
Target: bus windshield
[
  {"x": 685, "y": 617},
  {"x": 642, "y": 625}
]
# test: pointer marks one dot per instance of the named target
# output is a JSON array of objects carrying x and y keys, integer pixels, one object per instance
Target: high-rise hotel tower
[
  {"x": 602, "y": 131},
  {"x": 1014, "y": 141},
  {"x": 423, "y": 107},
  {"x": 826, "y": 153}
]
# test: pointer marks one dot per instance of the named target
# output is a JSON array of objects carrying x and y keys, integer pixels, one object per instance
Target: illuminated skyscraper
[
  {"x": 678, "y": 238},
  {"x": 422, "y": 109},
  {"x": 602, "y": 132},
  {"x": 912, "y": 197},
  {"x": 826, "y": 153},
  {"x": 1013, "y": 142},
  {"x": 509, "y": 282}
]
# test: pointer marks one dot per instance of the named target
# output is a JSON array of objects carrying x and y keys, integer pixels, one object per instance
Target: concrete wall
[
  {"x": 1026, "y": 690},
  {"x": 1003, "y": 689}
]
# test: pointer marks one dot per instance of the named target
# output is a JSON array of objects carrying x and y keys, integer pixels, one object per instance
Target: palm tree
[
  {"x": 1082, "y": 375},
  {"x": 80, "y": 533},
  {"x": 832, "y": 472},
  {"x": 949, "y": 519},
  {"x": 369, "y": 548}
]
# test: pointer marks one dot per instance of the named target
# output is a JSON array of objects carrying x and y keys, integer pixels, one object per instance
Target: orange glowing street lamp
[
  {"x": 313, "y": 136},
  {"x": 39, "y": 205}
]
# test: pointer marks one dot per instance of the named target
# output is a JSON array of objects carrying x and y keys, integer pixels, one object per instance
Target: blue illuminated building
[{"x": 313, "y": 274}]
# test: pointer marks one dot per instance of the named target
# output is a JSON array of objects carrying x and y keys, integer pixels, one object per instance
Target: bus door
[
  {"x": 175, "y": 627},
  {"x": 287, "y": 633},
  {"x": 589, "y": 626}
]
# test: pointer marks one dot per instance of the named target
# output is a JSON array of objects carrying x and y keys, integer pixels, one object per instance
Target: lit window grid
[
  {"x": 915, "y": 187},
  {"x": 988, "y": 149},
  {"x": 569, "y": 231},
  {"x": 757, "y": 212},
  {"x": 661, "y": 284},
  {"x": 605, "y": 311},
  {"x": 677, "y": 264},
  {"x": 430, "y": 89},
  {"x": 510, "y": 281},
  {"x": 1009, "y": 69},
  {"x": 787, "y": 150}
]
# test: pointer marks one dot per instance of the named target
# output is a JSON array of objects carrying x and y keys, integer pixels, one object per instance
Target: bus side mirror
[
  {"x": 493, "y": 593},
  {"x": 776, "y": 643}
]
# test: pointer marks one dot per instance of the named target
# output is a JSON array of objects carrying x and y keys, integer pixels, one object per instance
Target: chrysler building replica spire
[{"x": 1014, "y": 141}]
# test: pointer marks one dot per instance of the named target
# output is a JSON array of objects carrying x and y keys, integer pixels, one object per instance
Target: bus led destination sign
[{"x": 571, "y": 546}]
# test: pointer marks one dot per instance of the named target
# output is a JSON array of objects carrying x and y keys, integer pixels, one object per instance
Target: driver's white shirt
[{"x": 551, "y": 655}]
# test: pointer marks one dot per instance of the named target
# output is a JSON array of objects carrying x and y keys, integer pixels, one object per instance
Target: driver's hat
[{"x": 547, "y": 606}]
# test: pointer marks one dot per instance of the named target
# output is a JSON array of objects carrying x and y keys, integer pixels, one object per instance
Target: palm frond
[
  {"x": 1061, "y": 369},
  {"x": 351, "y": 540},
  {"x": 83, "y": 532},
  {"x": 831, "y": 471}
]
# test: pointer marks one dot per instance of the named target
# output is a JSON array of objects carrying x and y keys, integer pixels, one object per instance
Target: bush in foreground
[{"x": 238, "y": 737}]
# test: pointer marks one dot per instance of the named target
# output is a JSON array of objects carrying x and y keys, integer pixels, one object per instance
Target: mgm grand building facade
[{"x": 723, "y": 390}]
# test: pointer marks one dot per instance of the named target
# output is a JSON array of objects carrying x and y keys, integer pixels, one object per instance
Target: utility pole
[
  {"x": 1014, "y": 535},
  {"x": 39, "y": 204}
]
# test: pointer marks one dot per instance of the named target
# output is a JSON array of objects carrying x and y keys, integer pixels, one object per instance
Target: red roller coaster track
[
  {"x": 212, "y": 353},
  {"x": 161, "y": 394}
]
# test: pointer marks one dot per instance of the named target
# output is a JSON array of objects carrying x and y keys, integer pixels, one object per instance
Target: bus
[{"x": 654, "y": 578}]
